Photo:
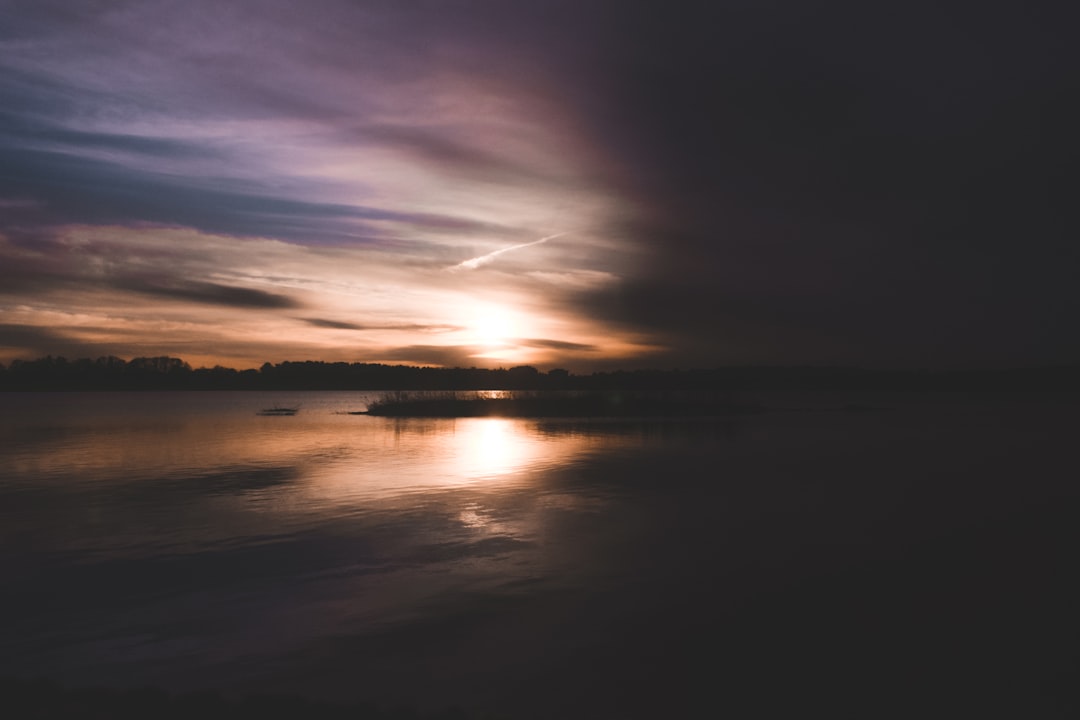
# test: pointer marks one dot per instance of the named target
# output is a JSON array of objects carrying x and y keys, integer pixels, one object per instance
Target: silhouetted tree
[{"x": 169, "y": 373}]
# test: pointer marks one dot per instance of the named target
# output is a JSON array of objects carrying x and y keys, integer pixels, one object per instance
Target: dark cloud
[
  {"x": 207, "y": 293},
  {"x": 333, "y": 324},
  {"x": 443, "y": 355},
  {"x": 79, "y": 189},
  {"x": 844, "y": 182},
  {"x": 556, "y": 345},
  {"x": 469, "y": 355},
  {"x": 28, "y": 336},
  {"x": 32, "y": 341},
  {"x": 75, "y": 141},
  {"x": 36, "y": 263},
  {"x": 23, "y": 273},
  {"x": 339, "y": 325}
]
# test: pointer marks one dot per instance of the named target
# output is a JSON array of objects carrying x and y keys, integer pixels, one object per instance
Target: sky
[{"x": 587, "y": 185}]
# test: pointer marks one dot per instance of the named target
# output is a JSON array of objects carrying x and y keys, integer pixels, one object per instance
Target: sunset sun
[{"x": 493, "y": 327}]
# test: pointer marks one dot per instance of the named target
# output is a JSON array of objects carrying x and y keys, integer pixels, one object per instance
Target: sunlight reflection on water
[
  {"x": 193, "y": 468},
  {"x": 181, "y": 433},
  {"x": 297, "y": 527},
  {"x": 182, "y": 540}
]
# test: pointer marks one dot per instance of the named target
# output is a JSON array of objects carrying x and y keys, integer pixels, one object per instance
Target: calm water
[{"x": 920, "y": 557}]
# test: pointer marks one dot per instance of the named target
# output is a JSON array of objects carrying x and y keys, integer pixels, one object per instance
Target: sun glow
[
  {"x": 493, "y": 327},
  {"x": 498, "y": 333},
  {"x": 497, "y": 328},
  {"x": 491, "y": 447}
]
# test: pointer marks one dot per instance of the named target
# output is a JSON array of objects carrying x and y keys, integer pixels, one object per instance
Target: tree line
[{"x": 169, "y": 373}]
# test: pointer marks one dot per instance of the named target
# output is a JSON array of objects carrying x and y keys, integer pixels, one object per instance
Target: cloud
[
  {"x": 484, "y": 355},
  {"x": 32, "y": 341},
  {"x": 441, "y": 147},
  {"x": 476, "y": 262},
  {"x": 574, "y": 279},
  {"x": 19, "y": 204},
  {"x": 165, "y": 151},
  {"x": 776, "y": 182},
  {"x": 208, "y": 293},
  {"x": 76, "y": 188},
  {"x": 216, "y": 299},
  {"x": 46, "y": 137},
  {"x": 440, "y": 355},
  {"x": 408, "y": 327},
  {"x": 557, "y": 344},
  {"x": 28, "y": 336},
  {"x": 127, "y": 260},
  {"x": 333, "y": 324},
  {"x": 257, "y": 145}
]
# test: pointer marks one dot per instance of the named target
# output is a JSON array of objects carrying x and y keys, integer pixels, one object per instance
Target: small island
[{"x": 542, "y": 405}]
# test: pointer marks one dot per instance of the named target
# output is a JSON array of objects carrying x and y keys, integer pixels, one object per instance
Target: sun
[
  {"x": 494, "y": 326},
  {"x": 501, "y": 332}
]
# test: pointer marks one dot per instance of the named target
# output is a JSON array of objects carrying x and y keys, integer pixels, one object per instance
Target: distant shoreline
[{"x": 168, "y": 373}]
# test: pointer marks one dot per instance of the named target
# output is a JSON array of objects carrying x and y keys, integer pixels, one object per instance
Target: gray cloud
[
  {"x": 444, "y": 355},
  {"x": 439, "y": 147},
  {"x": 80, "y": 189},
  {"x": 333, "y": 324},
  {"x": 557, "y": 345},
  {"x": 207, "y": 293},
  {"x": 31, "y": 341},
  {"x": 36, "y": 265},
  {"x": 74, "y": 141},
  {"x": 414, "y": 327},
  {"x": 28, "y": 336}
]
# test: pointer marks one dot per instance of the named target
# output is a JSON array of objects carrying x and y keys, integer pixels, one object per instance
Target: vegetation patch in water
[{"x": 545, "y": 405}]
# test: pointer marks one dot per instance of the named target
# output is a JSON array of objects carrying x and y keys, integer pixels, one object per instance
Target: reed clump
[{"x": 555, "y": 405}]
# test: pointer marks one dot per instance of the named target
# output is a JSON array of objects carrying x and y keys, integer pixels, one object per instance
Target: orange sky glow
[{"x": 447, "y": 219}]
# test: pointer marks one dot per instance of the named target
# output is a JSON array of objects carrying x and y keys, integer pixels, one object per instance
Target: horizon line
[{"x": 556, "y": 367}]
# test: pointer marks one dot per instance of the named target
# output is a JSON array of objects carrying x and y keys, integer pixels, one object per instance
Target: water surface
[{"x": 811, "y": 556}]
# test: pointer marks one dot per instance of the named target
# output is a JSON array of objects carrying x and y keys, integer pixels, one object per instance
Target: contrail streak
[{"x": 476, "y": 262}]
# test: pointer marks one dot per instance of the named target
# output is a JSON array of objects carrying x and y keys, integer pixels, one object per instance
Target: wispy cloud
[
  {"x": 239, "y": 187},
  {"x": 208, "y": 293},
  {"x": 218, "y": 299},
  {"x": 406, "y": 327},
  {"x": 557, "y": 344},
  {"x": 476, "y": 262}
]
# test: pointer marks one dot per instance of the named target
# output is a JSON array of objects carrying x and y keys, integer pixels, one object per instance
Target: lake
[{"x": 871, "y": 556}]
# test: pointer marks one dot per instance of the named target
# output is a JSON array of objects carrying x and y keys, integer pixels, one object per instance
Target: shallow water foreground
[{"x": 918, "y": 558}]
